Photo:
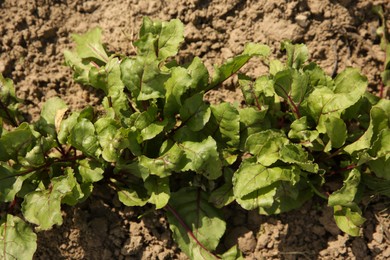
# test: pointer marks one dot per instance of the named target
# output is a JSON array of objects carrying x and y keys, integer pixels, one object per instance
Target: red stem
[{"x": 184, "y": 225}]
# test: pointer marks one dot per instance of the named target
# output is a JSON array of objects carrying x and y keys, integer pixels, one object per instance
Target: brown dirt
[{"x": 339, "y": 33}]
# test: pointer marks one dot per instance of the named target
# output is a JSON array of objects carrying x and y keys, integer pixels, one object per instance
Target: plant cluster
[{"x": 158, "y": 141}]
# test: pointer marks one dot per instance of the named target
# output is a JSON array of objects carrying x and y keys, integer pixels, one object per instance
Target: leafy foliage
[{"x": 160, "y": 142}]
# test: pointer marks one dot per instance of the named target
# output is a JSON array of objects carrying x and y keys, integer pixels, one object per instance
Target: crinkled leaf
[
  {"x": 135, "y": 195},
  {"x": 251, "y": 121},
  {"x": 297, "y": 54},
  {"x": 300, "y": 129},
  {"x": 381, "y": 146},
  {"x": 381, "y": 167},
  {"x": 43, "y": 206},
  {"x": 80, "y": 69},
  {"x": 251, "y": 177},
  {"x": 17, "y": 239},
  {"x": 265, "y": 146},
  {"x": 66, "y": 126},
  {"x": 83, "y": 137},
  {"x": 143, "y": 78},
  {"x": 90, "y": 170},
  {"x": 349, "y": 219},
  {"x": 232, "y": 65},
  {"x": 379, "y": 120},
  {"x": 173, "y": 160},
  {"x": 148, "y": 123},
  {"x": 89, "y": 45},
  {"x": 223, "y": 195},
  {"x": 162, "y": 39},
  {"x": 76, "y": 195},
  {"x": 295, "y": 154},
  {"x": 184, "y": 80},
  {"x": 291, "y": 85},
  {"x": 109, "y": 137},
  {"x": 195, "y": 113},
  {"x": 345, "y": 196},
  {"x": 158, "y": 190},
  {"x": 203, "y": 158},
  {"x": 349, "y": 88},
  {"x": 226, "y": 124},
  {"x": 259, "y": 93},
  {"x": 196, "y": 225}
]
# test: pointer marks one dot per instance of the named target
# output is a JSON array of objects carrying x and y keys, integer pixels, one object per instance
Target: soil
[{"x": 339, "y": 33}]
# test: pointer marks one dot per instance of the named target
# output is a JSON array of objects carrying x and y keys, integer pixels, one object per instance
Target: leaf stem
[
  {"x": 295, "y": 108},
  {"x": 46, "y": 165},
  {"x": 317, "y": 192}
]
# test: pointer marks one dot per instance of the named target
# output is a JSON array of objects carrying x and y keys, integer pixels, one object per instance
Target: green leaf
[
  {"x": 223, "y": 195},
  {"x": 227, "y": 122},
  {"x": 43, "y": 206},
  {"x": 378, "y": 186},
  {"x": 133, "y": 196},
  {"x": 80, "y": 69},
  {"x": 196, "y": 225},
  {"x": 251, "y": 177},
  {"x": 203, "y": 158},
  {"x": 110, "y": 138},
  {"x": 10, "y": 183},
  {"x": 158, "y": 190},
  {"x": 51, "y": 108},
  {"x": 66, "y": 126},
  {"x": 9, "y": 109},
  {"x": 346, "y": 195},
  {"x": 381, "y": 167},
  {"x": 300, "y": 129},
  {"x": 291, "y": 85},
  {"x": 160, "y": 39},
  {"x": 16, "y": 143},
  {"x": 379, "y": 120},
  {"x": 89, "y": 45},
  {"x": 273, "y": 190},
  {"x": 349, "y": 220},
  {"x": 232, "y": 65},
  {"x": 195, "y": 113},
  {"x": 17, "y": 240},
  {"x": 76, "y": 195},
  {"x": 173, "y": 160},
  {"x": 266, "y": 145},
  {"x": 90, "y": 170},
  {"x": 251, "y": 121},
  {"x": 381, "y": 146},
  {"x": 336, "y": 130},
  {"x": 295, "y": 154},
  {"x": 83, "y": 138},
  {"x": 143, "y": 78},
  {"x": 260, "y": 93},
  {"x": 275, "y": 66},
  {"x": 349, "y": 88},
  {"x": 297, "y": 54},
  {"x": 184, "y": 81},
  {"x": 233, "y": 253}
]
